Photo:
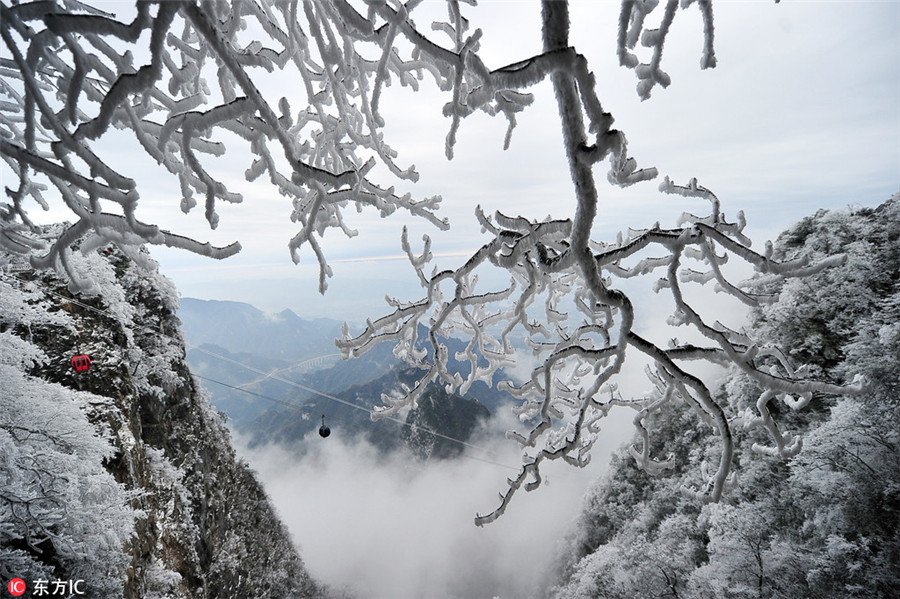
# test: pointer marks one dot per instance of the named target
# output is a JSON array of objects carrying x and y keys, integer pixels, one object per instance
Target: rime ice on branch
[
  {"x": 555, "y": 264},
  {"x": 71, "y": 72}
]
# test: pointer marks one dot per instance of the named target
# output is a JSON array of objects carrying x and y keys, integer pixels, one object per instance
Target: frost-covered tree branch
[
  {"x": 556, "y": 263},
  {"x": 178, "y": 76},
  {"x": 72, "y": 74},
  {"x": 632, "y": 29}
]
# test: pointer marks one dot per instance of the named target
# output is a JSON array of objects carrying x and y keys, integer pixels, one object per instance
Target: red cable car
[{"x": 81, "y": 363}]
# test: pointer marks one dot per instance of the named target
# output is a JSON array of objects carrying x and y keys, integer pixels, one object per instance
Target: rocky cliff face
[{"x": 122, "y": 475}]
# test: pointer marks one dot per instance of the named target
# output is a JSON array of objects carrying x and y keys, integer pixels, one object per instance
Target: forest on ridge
[{"x": 823, "y": 524}]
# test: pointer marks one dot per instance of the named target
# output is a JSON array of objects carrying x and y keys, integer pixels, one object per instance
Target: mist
[{"x": 375, "y": 526}]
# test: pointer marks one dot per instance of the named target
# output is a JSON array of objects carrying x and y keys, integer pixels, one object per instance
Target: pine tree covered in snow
[
  {"x": 823, "y": 523},
  {"x": 122, "y": 475}
]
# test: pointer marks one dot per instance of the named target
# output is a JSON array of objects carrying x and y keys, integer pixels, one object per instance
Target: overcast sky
[{"x": 801, "y": 113}]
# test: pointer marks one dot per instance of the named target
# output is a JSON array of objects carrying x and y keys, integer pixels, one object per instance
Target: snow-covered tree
[
  {"x": 123, "y": 475},
  {"x": 821, "y": 524},
  {"x": 179, "y": 77},
  {"x": 57, "y": 500}
]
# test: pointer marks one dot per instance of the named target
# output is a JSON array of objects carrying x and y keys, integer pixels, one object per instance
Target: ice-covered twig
[{"x": 632, "y": 28}]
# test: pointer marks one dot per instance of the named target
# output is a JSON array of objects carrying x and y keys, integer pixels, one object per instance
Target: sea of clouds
[{"x": 375, "y": 526}]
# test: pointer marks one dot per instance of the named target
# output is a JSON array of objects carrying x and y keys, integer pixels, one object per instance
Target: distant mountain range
[
  {"x": 274, "y": 377},
  {"x": 244, "y": 356},
  {"x": 242, "y": 328}
]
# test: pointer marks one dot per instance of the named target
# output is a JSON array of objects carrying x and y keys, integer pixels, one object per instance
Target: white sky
[{"x": 802, "y": 112}]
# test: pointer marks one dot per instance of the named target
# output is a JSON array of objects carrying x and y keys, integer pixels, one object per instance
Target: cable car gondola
[
  {"x": 324, "y": 431},
  {"x": 81, "y": 363}
]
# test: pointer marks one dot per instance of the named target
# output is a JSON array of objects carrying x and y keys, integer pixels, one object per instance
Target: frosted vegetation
[
  {"x": 55, "y": 494},
  {"x": 62, "y": 509},
  {"x": 122, "y": 476},
  {"x": 178, "y": 77},
  {"x": 823, "y": 524}
]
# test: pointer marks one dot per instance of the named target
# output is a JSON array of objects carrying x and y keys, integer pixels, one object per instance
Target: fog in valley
[{"x": 393, "y": 526}]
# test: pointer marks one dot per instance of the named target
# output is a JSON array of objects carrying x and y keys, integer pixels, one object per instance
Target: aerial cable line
[
  {"x": 342, "y": 401},
  {"x": 282, "y": 402},
  {"x": 276, "y": 377},
  {"x": 288, "y": 368},
  {"x": 292, "y": 405}
]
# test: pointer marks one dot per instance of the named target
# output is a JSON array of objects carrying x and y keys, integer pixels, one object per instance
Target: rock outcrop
[{"x": 122, "y": 475}]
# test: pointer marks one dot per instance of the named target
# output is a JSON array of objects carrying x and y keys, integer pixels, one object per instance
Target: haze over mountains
[
  {"x": 275, "y": 376},
  {"x": 239, "y": 327}
]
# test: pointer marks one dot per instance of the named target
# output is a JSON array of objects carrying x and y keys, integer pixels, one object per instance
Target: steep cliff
[{"x": 122, "y": 475}]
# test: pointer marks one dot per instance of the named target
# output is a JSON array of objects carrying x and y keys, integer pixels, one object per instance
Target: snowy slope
[
  {"x": 824, "y": 523},
  {"x": 122, "y": 475}
]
